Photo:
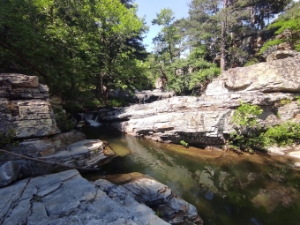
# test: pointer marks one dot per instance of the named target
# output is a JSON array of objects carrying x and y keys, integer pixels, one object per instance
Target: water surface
[{"x": 226, "y": 188}]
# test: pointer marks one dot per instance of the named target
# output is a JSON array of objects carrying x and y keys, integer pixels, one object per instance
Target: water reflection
[{"x": 225, "y": 188}]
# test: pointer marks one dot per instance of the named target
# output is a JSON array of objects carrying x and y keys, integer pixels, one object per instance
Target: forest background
[{"x": 85, "y": 50}]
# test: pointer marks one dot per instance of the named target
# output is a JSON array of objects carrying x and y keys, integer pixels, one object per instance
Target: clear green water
[{"x": 226, "y": 189}]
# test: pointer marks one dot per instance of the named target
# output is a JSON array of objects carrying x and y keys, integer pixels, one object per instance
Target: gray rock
[
  {"x": 274, "y": 76},
  {"x": 84, "y": 154},
  {"x": 24, "y": 107},
  {"x": 148, "y": 96},
  {"x": 67, "y": 198},
  {"x": 20, "y": 80},
  {"x": 281, "y": 54},
  {"x": 206, "y": 119},
  {"x": 9, "y": 172},
  {"x": 148, "y": 191}
]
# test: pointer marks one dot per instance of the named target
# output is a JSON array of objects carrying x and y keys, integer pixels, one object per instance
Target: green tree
[
  {"x": 73, "y": 46},
  {"x": 288, "y": 23},
  {"x": 168, "y": 39}
]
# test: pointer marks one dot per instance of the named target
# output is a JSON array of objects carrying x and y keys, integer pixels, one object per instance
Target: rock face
[
  {"x": 25, "y": 108},
  {"x": 206, "y": 119},
  {"x": 67, "y": 198}
]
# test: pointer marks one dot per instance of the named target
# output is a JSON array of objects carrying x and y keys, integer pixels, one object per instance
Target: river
[{"x": 226, "y": 188}]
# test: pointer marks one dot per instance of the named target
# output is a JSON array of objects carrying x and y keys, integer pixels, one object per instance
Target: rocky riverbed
[{"x": 66, "y": 197}]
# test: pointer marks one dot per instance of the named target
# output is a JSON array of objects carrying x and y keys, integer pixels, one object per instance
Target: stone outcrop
[
  {"x": 24, "y": 106},
  {"x": 67, "y": 198},
  {"x": 25, "y": 109},
  {"x": 153, "y": 95},
  {"x": 206, "y": 119}
]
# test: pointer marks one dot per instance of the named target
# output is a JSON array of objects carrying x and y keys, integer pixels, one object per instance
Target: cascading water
[{"x": 91, "y": 119}]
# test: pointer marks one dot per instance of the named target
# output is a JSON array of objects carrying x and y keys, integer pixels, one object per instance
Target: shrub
[
  {"x": 283, "y": 134},
  {"x": 269, "y": 44},
  {"x": 63, "y": 119},
  {"x": 249, "y": 135},
  {"x": 251, "y": 62},
  {"x": 247, "y": 130}
]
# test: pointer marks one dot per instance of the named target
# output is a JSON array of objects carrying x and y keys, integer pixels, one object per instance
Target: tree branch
[{"x": 49, "y": 163}]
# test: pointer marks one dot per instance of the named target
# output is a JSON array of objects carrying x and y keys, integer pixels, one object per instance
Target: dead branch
[{"x": 49, "y": 163}]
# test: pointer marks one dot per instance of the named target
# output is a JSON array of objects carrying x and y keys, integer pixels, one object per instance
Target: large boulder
[
  {"x": 206, "y": 119},
  {"x": 274, "y": 76},
  {"x": 67, "y": 198}
]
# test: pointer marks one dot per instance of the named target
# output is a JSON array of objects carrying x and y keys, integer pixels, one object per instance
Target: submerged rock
[
  {"x": 156, "y": 195},
  {"x": 275, "y": 196}
]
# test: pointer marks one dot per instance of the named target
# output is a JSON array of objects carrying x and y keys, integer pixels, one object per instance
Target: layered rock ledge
[
  {"x": 205, "y": 120},
  {"x": 25, "y": 108},
  {"x": 67, "y": 198}
]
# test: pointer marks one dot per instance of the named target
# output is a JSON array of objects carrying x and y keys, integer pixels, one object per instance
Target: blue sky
[{"x": 149, "y": 9}]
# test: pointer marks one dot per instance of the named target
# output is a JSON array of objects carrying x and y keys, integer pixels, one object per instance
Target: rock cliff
[
  {"x": 204, "y": 120},
  {"x": 25, "y": 109}
]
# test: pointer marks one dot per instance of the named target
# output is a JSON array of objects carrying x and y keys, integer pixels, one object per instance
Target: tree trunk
[
  {"x": 103, "y": 89},
  {"x": 223, "y": 39}
]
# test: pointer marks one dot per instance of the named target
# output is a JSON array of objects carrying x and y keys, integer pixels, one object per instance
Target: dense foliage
[
  {"x": 85, "y": 49},
  {"x": 81, "y": 49},
  {"x": 288, "y": 26},
  {"x": 249, "y": 135},
  {"x": 193, "y": 50}
]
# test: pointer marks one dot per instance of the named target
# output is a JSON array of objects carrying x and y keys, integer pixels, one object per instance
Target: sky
[{"x": 149, "y": 9}]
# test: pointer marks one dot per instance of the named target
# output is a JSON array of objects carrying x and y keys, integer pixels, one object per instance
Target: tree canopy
[
  {"x": 75, "y": 47},
  {"x": 85, "y": 49}
]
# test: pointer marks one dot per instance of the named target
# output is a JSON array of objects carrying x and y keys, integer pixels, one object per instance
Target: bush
[
  {"x": 249, "y": 135},
  {"x": 63, "y": 119},
  {"x": 247, "y": 130},
  {"x": 283, "y": 134},
  {"x": 269, "y": 44},
  {"x": 251, "y": 62}
]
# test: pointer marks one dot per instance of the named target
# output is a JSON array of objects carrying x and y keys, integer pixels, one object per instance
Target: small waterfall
[{"x": 91, "y": 120}]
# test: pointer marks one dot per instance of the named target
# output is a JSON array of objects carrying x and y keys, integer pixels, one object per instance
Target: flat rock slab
[{"x": 67, "y": 198}]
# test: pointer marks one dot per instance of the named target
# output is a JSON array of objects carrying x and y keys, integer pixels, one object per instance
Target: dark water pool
[{"x": 226, "y": 188}]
